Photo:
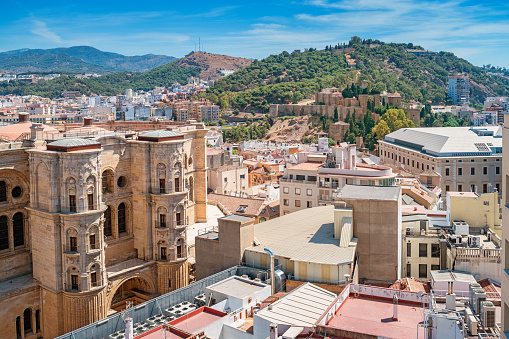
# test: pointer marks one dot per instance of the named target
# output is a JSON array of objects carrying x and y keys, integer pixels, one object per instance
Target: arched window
[
  {"x": 38, "y": 320},
  {"x": 3, "y": 191},
  {"x": 179, "y": 216},
  {"x": 27, "y": 319},
  {"x": 107, "y": 181},
  {"x": 177, "y": 169},
  {"x": 4, "y": 233},
  {"x": 18, "y": 229},
  {"x": 107, "y": 222},
  {"x": 180, "y": 248},
  {"x": 121, "y": 219},
  {"x": 191, "y": 189},
  {"x": 18, "y": 327},
  {"x": 161, "y": 173}
]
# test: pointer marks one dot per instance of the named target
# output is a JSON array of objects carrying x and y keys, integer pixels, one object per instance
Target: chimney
[
  {"x": 88, "y": 121},
  {"x": 37, "y": 132},
  {"x": 450, "y": 297},
  {"x": 273, "y": 331},
  {"x": 395, "y": 308},
  {"x": 272, "y": 280},
  {"x": 23, "y": 117}
]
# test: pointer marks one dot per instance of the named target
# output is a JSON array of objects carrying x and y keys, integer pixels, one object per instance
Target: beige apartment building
[
  {"x": 88, "y": 224},
  {"x": 228, "y": 179},
  {"x": 505, "y": 231},
  {"x": 311, "y": 184},
  {"x": 420, "y": 247},
  {"x": 468, "y": 159}
]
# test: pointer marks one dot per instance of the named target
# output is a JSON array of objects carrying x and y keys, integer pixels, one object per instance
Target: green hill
[
  {"x": 109, "y": 84},
  {"x": 40, "y": 62},
  {"x": 290, "y": 77},
  {"x": 77, "y": 59}
]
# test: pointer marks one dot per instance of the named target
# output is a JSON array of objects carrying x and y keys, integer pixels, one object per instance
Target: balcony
[
  {"x": 162, "y": 225},
  {"x": 180, "y": 225},
  {"x": 71, "y": 250},
  {"x": 295, "y": 181},
  {"x": 94, "y": 248}
]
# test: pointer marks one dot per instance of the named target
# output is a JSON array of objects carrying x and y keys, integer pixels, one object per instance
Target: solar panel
[{"x": 482, "y": 147}]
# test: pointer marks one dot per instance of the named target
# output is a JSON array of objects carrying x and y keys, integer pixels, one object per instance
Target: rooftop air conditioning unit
[
  {"x": 409, "y": 230},
  {"x": 488, "y": 314},
  {"x": 479, "y": 297},
  {"x": 475, "y": 241}
]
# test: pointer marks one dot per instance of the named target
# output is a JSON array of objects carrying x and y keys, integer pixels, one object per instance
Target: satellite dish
[
  {"x": 420, "y": 294},
  {"x": 355, "y": 288}
]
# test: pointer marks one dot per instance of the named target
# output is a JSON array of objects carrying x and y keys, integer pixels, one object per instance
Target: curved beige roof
[{"x": 14, "y": 131}]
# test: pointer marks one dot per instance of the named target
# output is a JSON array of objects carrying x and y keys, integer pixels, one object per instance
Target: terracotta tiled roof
[
  {"x": 214, "y": 151},
  {"x": 270, "y": 210},
  {"x": 431, "y": 173},
  {"x": 12, "y": 132},
  {"x": 307, "y": 166},
  {"x": 232, "y": 204},
  {"x": 411, "y": 285},
  {"x": 260, "y": 170},
  {"x": 272, "y": 298},
  {"x": 492, "y": 289}
]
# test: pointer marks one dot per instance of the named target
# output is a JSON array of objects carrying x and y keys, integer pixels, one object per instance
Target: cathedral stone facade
[{"x": 87, "y": 224}]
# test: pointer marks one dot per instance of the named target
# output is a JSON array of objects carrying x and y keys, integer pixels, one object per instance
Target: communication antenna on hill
[{"x": 199, "y": 44}]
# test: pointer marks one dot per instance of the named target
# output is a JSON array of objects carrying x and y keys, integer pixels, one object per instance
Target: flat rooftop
[
  {"x": 192, "y": 323},
  {"x": 389, "y": 193},
  {"x": 306, "y": 235},
  {"x": 157, "y": 333},
  {"x": 237, "y": 287},
  {"x": 236, "y": 218},
  {"x": 374, "y": 317},
  {"x": 197, "y": 319},
  {"x": 212, "y": 235},
  {"x": 463, "y": 194}
]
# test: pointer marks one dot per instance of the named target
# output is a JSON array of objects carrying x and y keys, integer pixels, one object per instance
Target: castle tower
[{"x": 67, "y": 236}]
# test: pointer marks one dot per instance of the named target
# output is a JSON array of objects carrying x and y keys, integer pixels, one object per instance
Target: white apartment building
[{"x": 311, "y": 184}]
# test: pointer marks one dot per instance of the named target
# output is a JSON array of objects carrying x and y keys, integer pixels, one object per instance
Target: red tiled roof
[{"x": 493, "y": 290}]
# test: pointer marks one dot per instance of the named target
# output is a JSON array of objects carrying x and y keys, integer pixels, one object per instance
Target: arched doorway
[{"x": 136, "y": 289}]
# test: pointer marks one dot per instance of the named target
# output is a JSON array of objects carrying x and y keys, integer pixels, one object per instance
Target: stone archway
[{"x": 137, "y": 289}]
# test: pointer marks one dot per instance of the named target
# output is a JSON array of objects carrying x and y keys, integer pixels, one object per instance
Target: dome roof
[
  {"x": 160, "y": 135},
  {"x": 73, "y": 144}
]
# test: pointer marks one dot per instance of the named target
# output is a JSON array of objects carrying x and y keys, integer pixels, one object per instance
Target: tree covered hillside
[
  {"x": 290, "y": 77},
  {"x": 110, "y": 84}
]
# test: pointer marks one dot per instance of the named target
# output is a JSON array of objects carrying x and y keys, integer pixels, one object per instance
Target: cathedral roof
[
  {"x": 160, "y": 135},
  {"x": 73, "y": 144}
]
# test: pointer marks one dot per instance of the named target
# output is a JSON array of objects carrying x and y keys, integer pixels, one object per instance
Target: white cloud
[{"x": 41, "y": 29}]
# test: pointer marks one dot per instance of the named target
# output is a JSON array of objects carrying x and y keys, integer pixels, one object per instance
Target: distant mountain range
[
  {"x": 206, "y": 66},
  {"x": 77, "y": 59}
]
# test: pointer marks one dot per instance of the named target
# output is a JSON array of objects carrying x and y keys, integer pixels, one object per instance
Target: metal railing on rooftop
[{"x": 139, "y": 313}]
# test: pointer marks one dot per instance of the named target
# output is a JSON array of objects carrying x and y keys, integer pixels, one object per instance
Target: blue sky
[{"x": 477, "y": 31}]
